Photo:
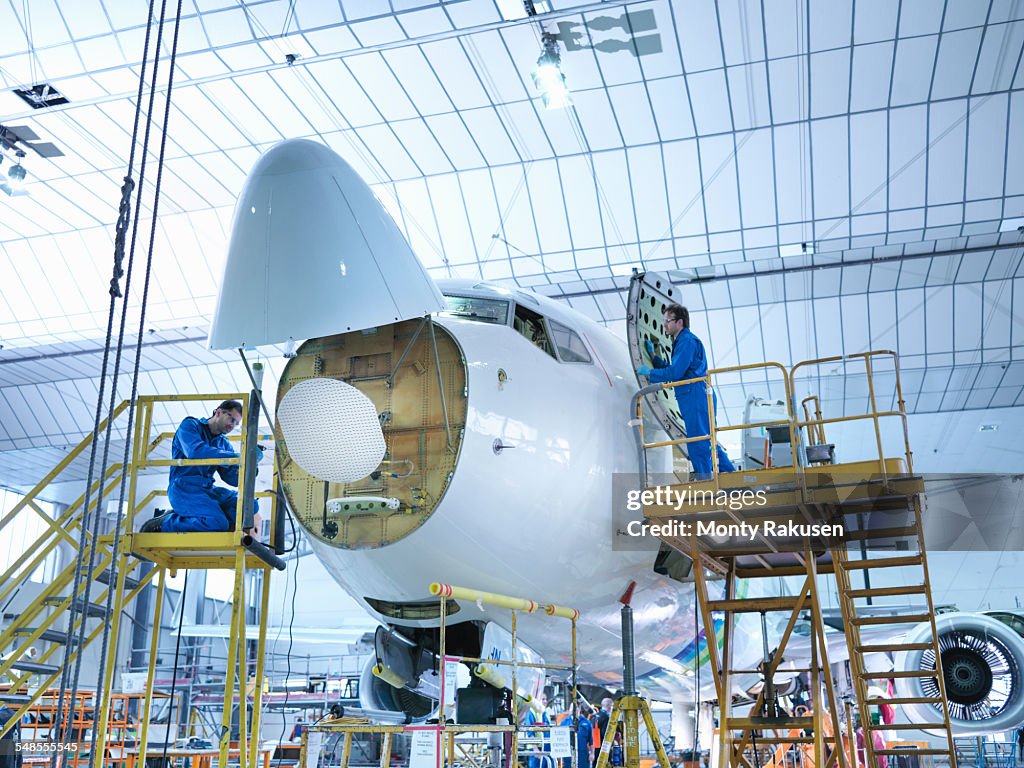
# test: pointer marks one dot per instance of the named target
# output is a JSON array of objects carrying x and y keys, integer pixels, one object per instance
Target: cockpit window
[
  {"x": 481, "y": 310},
  {"x": 531, "y": 326},
  {"x": 568, "y": 343}
]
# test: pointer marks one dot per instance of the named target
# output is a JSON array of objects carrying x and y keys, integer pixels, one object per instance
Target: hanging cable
[
  {"x": 174, "y": 670},
  {"x": 100, "y": 681},
  {"x": 291, "y": 642},
  {"x": 62, "y": 724}
]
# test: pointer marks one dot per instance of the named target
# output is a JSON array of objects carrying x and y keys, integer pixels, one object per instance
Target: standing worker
[
  {"x": 585, "y": 738},
  {"x": 198, "y": 504},
  {"x": 688, "y": 362}
]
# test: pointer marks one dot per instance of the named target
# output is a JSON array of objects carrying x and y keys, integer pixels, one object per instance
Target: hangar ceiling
[{"x": 826, "y": 177}]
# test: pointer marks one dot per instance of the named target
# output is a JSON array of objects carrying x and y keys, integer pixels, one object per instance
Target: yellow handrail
[
  {"x": 815, "y": 426},
  {"x": 711, "y": 413}
]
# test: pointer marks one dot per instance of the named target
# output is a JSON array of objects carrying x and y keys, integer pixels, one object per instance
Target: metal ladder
[{"x": 855, "y": 619}]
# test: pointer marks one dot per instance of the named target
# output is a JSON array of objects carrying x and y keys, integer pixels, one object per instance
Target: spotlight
[
  {"x": 548, "y": 77},
  {"x": 15, "y": 177}
]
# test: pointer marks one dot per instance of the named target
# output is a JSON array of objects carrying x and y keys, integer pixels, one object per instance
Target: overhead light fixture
[
  {"x": 548, "y": 77},
  {"x": 513, "y": 10},
  {"x": 988, "y": 428},
  {"x": 1011, "y": 225},
  {"x": 15, "y": 177},
  {"x": 796, "y": 249}
]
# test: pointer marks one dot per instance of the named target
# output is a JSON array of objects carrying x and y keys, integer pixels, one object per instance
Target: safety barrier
[{"x": 814, "y": 426}]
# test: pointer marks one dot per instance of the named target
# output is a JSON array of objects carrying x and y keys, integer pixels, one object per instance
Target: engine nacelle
[
  {"x": 983, "y": 666},
  {"x": 376, "y": 693}
]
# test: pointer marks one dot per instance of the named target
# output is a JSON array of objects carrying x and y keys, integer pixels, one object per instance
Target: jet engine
[
  {"x": 400, "y": 677},
  {"x": 983, "y": 666}
]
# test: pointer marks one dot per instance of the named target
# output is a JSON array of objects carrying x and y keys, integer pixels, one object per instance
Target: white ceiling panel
[{"x": 863, "y": 137}]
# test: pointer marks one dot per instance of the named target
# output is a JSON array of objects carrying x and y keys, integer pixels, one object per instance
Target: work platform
[
  {"x": 88, "y": 599},
  {"x": 810, "y": 517}
]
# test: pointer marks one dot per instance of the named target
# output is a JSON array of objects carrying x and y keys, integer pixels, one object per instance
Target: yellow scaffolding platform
[
  {"x": 878, "y": 504},
  {"x": 118, "y": 558}
]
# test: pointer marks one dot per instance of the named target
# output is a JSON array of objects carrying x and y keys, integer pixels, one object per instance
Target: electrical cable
[
  {"x": 282, "y": 498},
  {"x": 288, "y": 655},
  {"x": 174, "y": 672}
]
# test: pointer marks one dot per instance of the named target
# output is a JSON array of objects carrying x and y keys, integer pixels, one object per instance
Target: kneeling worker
[{"x": 198, "y": 504}]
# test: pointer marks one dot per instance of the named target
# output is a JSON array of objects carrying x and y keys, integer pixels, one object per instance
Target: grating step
[
  {"x": 910, "y": 700},
  {"x": 895, "y": 647},
  {"x": 910, "y": 750},
  {"x": 868, "y": 534},
  {"x": 907, "y": 726},
  {"x": 755, "y": 605},
  {"x": 881, "y": 562},
  {"x": 48, "y": 635},
  {"x": 107, "y": 577},
  {"x": 910, "y": 618},
  {"x": 738, "y": 723},
  {"x": 915, "y": 589},
  {"x": 94, "y": 610},
  {"x": 35, "y": 667},
  {"x": 893, "y": 674},
  {"x": 15, "y": 698}
]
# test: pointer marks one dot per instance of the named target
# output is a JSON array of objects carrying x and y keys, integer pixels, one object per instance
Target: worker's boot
[{"x": 155, "y": 523}]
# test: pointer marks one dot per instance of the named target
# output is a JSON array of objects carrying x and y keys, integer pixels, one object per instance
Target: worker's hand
[
  {"x": 644, "y": 370},
  {"x": 257, "y": 527},
  {"x": 649, "y": 346}
]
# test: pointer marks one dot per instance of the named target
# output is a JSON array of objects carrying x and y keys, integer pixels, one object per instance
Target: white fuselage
[{"x": 535, "y": 519}]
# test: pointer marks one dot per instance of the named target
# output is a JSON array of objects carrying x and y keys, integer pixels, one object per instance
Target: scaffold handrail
[{"x": 815, "y": 426}]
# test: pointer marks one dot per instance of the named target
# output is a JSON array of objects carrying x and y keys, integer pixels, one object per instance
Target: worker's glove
[
  {"x": 259, "y": 453},
  {"x": 644, "y": 370},
  {"x": 649, "y": 346}
]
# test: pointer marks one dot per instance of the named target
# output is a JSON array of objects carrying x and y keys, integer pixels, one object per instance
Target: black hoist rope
[{"x": 71, "y": 672}]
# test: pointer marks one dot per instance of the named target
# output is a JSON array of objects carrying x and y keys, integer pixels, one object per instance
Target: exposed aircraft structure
[{"x": 468, "y": 433}]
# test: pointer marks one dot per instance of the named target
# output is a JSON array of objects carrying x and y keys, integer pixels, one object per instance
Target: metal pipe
[
  {"x": 385, "y": 716},
  {"x": 636, "y": 408},
  {"x": 502, "y": 601},
  {"x": 263, "y": 552},
  {"x": 252, "y": 420},
  {"x": 440, "y": 384},
  {"x": 628, "y": 664},
  {"x": 390, "y": 380}
]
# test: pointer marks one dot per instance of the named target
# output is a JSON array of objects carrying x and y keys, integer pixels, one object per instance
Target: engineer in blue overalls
[
  {"x": 198, "y": 504},
  {"x": 688, "y": 362}
]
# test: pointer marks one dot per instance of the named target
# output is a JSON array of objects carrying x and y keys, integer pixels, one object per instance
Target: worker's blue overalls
[
  {"x": 690, "y": 362},
  {"x": 198, "y": 504}
]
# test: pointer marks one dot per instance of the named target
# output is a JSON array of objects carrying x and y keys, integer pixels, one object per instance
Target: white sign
[
  {"x": 133, "y": 682},
  {"x": 560, "y": 742},
  {"x": 314, "y": 747},
  {"x": 423, "y": 753},
  {"x": 451, "y": 682}
]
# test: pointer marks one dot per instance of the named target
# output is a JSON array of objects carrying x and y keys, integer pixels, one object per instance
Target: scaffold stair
[{"x": 875, "y": 554}]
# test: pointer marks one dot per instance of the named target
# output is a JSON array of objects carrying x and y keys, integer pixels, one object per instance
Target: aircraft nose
[{"x": 313, "y": 253}]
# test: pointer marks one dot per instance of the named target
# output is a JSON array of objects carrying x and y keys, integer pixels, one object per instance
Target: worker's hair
[
  {"x": 678, "y": 312},
  {"x": 229, "y": 405}
]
